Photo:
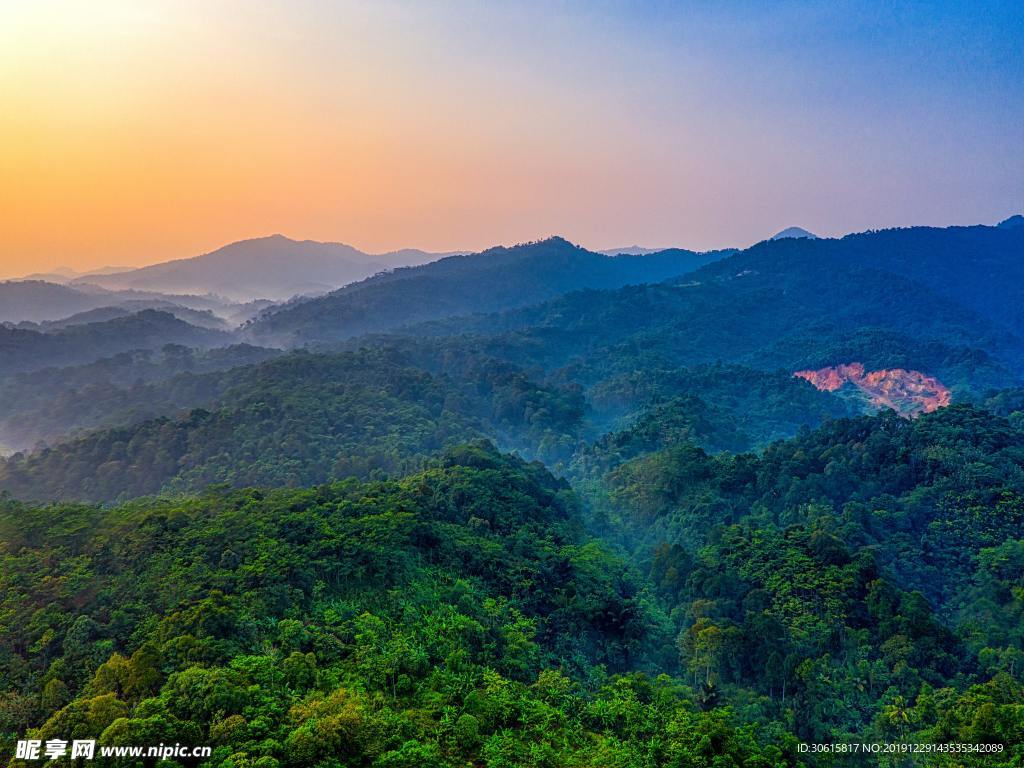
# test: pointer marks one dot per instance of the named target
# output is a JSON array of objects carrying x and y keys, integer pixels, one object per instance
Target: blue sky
[{"x": 141, "y": 132}]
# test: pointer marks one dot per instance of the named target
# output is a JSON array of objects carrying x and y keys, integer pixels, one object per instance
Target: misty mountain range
[
  {"x": 272, "y": 267},
  {"x": 803, "y": 435},
  {"x": 942, "y": 302},
  {"x": 260, "y": 270},
  {"x": 229, "y": 285},
  {"x": 193, "y": 291}
]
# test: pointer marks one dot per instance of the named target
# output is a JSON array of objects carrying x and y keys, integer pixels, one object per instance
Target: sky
[{"x": 136, "y": 131}]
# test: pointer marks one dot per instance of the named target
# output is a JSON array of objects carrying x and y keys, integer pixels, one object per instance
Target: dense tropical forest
[{"x": 533, "y": 507}]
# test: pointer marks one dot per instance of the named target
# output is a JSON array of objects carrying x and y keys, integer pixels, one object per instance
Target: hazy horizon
[
  {"x": 139, "y": 133},
  {"x": 58, "y": 268}
]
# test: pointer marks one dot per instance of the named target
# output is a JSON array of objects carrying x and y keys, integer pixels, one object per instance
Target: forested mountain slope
[
  {"x": 980, "y": 268},
  {"x": 460, "y": 615},
  {"x": 496, "y": 279},
  {"x": 789, "y": 303},
  {"x": 51, "y": 404},
  {"x": 854, "y": 570},
  {"x": 303, "y": 419},
  {"x": 24, "y": 350},
  {"x": 859, "y": 582}
]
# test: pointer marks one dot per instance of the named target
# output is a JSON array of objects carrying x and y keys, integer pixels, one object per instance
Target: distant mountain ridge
[
  {"x": 944, "y": 301},
  {"x": 495, "y": 279},
  {"x": 629, "y": 250},
  {"x": 200, "y": 318},
  {"x": 66, "y": 274},
  {"x": 798, "y": 233},
  {"x": 274, "y": 267},
  {"x": 37, "y": 301},
  {"x": 637, "y": 250},
  {"x": 979, "y": 267}
]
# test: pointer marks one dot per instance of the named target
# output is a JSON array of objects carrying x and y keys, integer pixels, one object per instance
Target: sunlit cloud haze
[{"x": 133, "y": 132}]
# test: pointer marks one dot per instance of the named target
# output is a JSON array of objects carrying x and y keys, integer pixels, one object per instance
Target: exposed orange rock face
[{"x": 906, "y": 392}]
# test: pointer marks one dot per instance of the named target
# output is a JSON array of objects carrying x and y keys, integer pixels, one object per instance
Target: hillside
[
  {"x": 444, "y": 619},
  {"x": 51, "y": 404},
  {"x": 298, "y": 420},
  {"x": 878, "y": 557},
  {"x": 811, "y": 593},
  {"x": 496, "y": 279},
  {"x": 980, "y": 268},
  {"x": 791, "y": 304},
  {"x": 25, "y": 350}
]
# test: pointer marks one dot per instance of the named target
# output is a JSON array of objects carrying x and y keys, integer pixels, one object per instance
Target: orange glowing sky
[{"x": 137, "y": 131}]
